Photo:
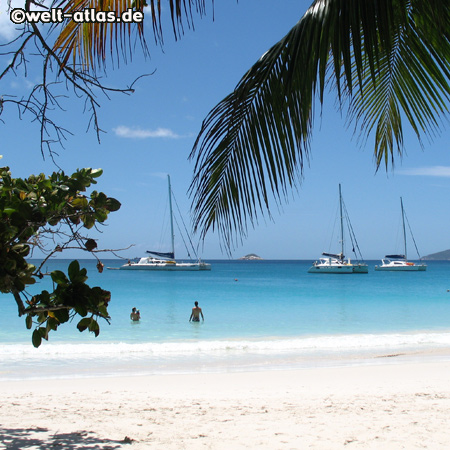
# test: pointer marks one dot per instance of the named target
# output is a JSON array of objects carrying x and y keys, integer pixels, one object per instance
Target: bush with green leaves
[{"x": 49, "y": 214}]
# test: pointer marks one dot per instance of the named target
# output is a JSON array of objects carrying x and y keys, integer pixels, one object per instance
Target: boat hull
[
  {"x": 332, "y": 265},
  {"x": 331, "y": 269},
  {"x": 387, "y": 268},
  {"x": 360, "y": 268},
  {"x": 168, "y": 267}
]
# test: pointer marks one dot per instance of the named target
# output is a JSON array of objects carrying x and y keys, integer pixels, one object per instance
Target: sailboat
[
  {"x": 336, "y": 263},
  {"x": 400, "y": 262},
  {"x": 165, "y": 261}
]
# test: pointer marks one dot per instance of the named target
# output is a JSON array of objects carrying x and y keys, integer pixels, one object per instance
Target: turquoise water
[{"x": 257, "y": 314}]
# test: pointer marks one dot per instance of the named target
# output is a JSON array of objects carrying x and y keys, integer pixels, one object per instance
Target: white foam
[{"x": 307, "y": 345}]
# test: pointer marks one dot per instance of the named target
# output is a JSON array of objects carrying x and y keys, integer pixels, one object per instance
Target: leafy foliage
[{"x": 53, "y": 208}]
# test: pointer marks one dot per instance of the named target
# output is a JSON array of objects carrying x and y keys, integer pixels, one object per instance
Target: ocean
[{"x": 259, "y": 315}]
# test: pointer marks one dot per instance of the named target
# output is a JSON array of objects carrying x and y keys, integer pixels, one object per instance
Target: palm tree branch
[
  {"x": 386, "y": 58},
  {"x": 86, "y": 43},
  {"x": 412, "y": 82},
  {"x": 235, "y": 139}
]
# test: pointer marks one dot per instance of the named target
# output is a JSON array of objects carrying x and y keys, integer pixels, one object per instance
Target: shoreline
[
  {"x": 401, "y": 405},
  {"x": 87, "y": 365}
]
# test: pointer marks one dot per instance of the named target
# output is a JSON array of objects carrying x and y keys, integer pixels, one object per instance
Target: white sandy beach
[{"x": 393, "y": 405}]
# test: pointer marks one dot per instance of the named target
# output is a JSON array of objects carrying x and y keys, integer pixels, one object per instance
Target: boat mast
[
  {"x": 172, "y": 237},
  {"x": 342, "y": 222},
  {"x": 404, "y": 229}
]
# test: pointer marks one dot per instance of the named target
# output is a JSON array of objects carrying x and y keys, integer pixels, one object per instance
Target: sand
[{"x": 392, "y": 405}]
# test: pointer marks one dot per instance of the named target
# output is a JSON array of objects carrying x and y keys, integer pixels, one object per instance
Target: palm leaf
[
  {"x": 387, "y": 59},
  {"x": 412, "y": 83},
  {"x": 90, "y": 43}
]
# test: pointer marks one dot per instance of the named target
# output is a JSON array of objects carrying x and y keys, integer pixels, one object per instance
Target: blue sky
[{"x": 151, "y": 133}]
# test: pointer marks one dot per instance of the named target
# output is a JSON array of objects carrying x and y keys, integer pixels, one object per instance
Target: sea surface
[{"x": 259, "y": 315}]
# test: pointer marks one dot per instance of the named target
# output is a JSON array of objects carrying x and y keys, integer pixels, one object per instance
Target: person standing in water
[
  {"x": 196, "y": 313},
  {"x": 135, "y": 315}
]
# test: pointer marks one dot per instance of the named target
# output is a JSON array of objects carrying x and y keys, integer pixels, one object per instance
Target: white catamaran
[
  {"x": 336, "y": 263},
  {"x": 400, "y": 263},
  {"x": 165, "y": 261}
]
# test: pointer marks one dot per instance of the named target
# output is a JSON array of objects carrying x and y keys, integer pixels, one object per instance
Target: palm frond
[
  {"x": 90, "y": 43},
  {"x": 411, "y": 83},
  {"x": 389, "y": 58}
]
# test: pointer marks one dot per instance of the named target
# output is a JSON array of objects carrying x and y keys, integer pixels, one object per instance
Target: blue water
[{"x": 257, "y": 314}]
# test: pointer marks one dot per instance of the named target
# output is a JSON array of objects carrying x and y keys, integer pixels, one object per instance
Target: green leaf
[
  {"x": 52, "y": 324},
  {"x": 88, "y": 221},
  {"x": 42, "y": 317},
  {"x": 83, "y": 324},
  {"x": 21, "y": 249},
  {"x": 28, "y": 280},
  {"x": 59, "y": 277},
  {"x": 112, "y": 204},
  {"x": 95, "y": 173},
  {"x": 80, "y": 203},
  {"x": 101, "y": 215},
  {"x": 29, "y": 322},
  {"x": 94, "y": 327},
  {"x": 44, "y": 298},
  {"x": 98, "y": 199},
  {"x": 74, "y": 269},
  {"x": 54, "y": 221},
  {"x": 43, "y": 332},
  {"x": 102, "y": 310},
  {"x": 62, "y": 315},
  {"x": 75, "y": 219},
  {"x": 80, "y": 308},
  {"x": 36, "y": 338}
]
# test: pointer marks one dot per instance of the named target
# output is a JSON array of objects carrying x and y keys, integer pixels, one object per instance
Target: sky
[{"x": 150, "y": 134}]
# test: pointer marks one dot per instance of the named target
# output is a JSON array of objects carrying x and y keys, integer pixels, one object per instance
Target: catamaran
[
  {"x": 165, "y": 261},
  {"x": 400, "y": 262},
  {"x": 336, "y": 262}
]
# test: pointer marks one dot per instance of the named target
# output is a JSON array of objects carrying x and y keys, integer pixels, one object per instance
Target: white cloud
[
  {"x": 433, "y": 171},
  {"x": 161, "y": 175},
  {"x": 8, "y": 30},
  {"x": 138, "y": 133}
]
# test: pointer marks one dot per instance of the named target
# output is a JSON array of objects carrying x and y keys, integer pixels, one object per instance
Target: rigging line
[
  {"x": 352, "y": 233},
  {"x": 163, "y": 234},
  {"x": 397, "y": 246},
  {"x": 185, "y": 228},
  {"x": 332, "y": 236},
  {"x": 352, "y": 237},
  {"x": 412, "y": 236},
  {"x": 182, "y": 237}
]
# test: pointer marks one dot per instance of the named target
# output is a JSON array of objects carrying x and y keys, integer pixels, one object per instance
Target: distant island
[
  {"x": 439, "y": 256},
  {"x": 251, "y": 257}
]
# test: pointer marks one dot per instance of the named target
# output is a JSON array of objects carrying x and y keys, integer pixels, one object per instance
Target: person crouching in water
[{"x": 196, "y": 313}]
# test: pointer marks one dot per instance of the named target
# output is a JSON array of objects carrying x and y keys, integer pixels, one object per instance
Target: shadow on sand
[{"x": 23, "y": 438}]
